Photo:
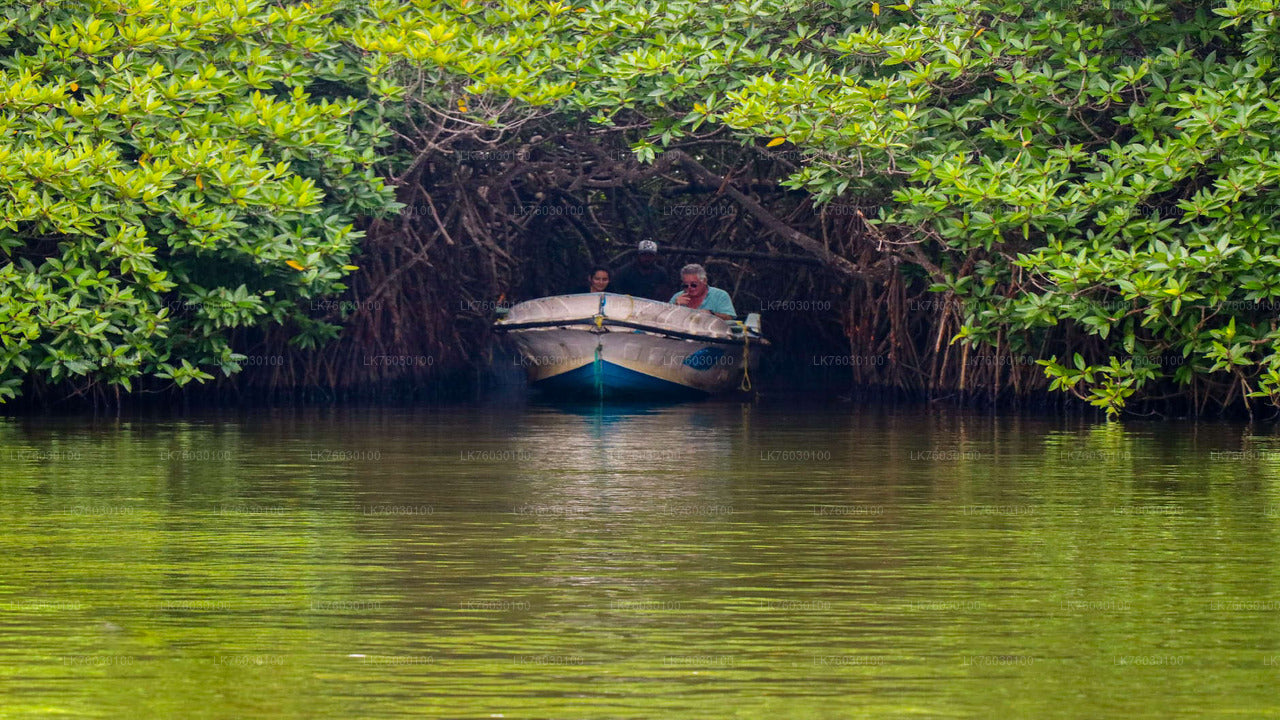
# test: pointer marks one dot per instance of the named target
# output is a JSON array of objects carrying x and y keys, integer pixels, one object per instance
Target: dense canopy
[
  {"x": 1092, "y": 185},
  {"x": 169, "y": 171}
]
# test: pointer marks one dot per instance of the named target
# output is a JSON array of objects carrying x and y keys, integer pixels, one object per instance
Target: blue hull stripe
[{"x": 612, "y": 380}]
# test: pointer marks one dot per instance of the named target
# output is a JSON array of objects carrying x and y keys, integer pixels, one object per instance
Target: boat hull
[
  {"x": 631, "y": 347},
  {"x": 627, "y": 363}
]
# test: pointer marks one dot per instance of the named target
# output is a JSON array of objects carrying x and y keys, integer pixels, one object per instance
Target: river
[{"x": 715, "y": 559}]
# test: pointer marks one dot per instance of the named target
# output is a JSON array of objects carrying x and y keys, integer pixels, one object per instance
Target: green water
[{"x": 702, "y": 560}]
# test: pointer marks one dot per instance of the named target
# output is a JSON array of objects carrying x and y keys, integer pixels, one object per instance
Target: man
[
  {"x": 645, "y": 277},
  {"x": 699, "y": 295}
]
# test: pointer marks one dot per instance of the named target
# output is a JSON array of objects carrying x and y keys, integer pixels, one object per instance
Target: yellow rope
[
  {"x": 745, "y": 386},
  {"x": 595, "y": 368}
]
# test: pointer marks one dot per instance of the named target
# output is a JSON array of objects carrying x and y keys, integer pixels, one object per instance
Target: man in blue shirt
[{"x": 700, "y": 296}]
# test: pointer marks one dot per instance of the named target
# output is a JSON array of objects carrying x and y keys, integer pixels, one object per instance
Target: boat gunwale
[{"x": 593, "y": 329}]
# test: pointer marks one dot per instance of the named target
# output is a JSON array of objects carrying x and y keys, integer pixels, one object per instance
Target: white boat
[{"x": 609, "y": 345}]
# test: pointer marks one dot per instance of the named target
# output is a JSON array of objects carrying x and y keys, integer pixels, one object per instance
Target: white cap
[{"x": 648, "y": 246}]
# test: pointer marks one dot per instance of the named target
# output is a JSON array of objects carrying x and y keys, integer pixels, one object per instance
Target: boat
[{"x": 608, "y": 345}]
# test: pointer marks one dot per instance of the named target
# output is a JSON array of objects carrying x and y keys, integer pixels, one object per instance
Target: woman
[{"x": 598, "y": 280}]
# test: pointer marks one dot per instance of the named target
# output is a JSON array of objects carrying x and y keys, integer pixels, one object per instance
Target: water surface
[{"x": 699, "y": 560}]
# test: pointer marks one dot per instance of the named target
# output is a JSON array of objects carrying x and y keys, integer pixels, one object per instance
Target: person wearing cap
[
  {"x": 645, "y": 277},
  {"x": 697, "y": 294}
]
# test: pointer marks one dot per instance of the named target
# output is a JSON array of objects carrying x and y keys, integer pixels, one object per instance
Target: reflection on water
[{"x": 694, "y": 560}]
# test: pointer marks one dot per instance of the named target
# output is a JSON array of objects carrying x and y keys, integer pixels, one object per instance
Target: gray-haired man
[{"x": 697, "y": 294}]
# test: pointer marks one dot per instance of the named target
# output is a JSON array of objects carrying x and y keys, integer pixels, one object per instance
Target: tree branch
[{"x": 701, "y": 174}]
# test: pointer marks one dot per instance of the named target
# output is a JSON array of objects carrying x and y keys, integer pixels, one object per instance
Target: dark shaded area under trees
[{"x": 489, "y": 224}]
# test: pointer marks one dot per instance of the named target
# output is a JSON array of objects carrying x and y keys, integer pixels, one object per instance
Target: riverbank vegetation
[{"x": 988, "y": 200}]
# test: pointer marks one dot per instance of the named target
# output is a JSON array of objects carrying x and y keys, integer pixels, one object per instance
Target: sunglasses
[{"x": 692, "y": 284}]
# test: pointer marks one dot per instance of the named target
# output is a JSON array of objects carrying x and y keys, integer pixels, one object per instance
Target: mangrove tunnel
[
  {"x": 487, "y": 224},
  {"x": 298, "y": 203}
]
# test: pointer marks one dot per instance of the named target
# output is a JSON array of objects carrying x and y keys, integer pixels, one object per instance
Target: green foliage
[
  {"x": 1109, "y": 169},
  {"x": 1089, "y": 180},
  {"x": 1097, "y": 177},
  {"x": 169, "y": 171}
]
